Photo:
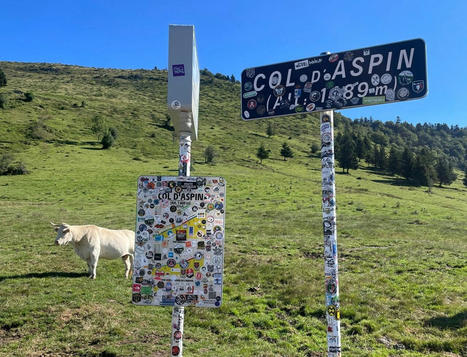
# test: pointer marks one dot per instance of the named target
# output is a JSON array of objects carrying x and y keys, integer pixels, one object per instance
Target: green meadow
[{"x": 402, "y": 249}]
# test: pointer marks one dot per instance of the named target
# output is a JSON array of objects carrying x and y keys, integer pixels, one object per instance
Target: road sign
[
  {"x": 368, "y": 76},
  {"x": 179, "y": 244},
  {"x": 183, "y": 79}
]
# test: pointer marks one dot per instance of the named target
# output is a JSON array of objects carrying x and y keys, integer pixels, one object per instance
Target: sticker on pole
[
  {"x": 179, "y": 242},
  {"x": 382, "y": 74}
]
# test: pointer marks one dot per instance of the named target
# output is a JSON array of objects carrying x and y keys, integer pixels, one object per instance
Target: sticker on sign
[{"x": 368, "y": 76}]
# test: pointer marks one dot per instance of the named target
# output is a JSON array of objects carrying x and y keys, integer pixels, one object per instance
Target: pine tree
[
  {"x": 376, "y": 153},
  {"x": 465, "y": 177},
  {"x": 394, "y": 166},
  {"x": 286, "y": 151},
  {"x": 270, "y": 130},
  {"x": 423, "y": 170},
  {"x": 445, "y": 172},
  {"x": 3, "y": 80},
  {"x": 359, "y": 147},
  {"x": 209, "y": 154},
  {"x": 379, "y": 153},
  {"x": 262, "y": 153},
  {"x": 346, "y": 153},
  {"x": 407, "y": 162},
  {"x": 369, "y": 158},
  {"x": 107, "y": 140}
]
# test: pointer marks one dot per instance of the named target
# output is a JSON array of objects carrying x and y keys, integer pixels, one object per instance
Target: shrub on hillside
[
  {"x": 314, "y": 148},
  {"x": 3, "y": 80},
  {"x": 113, "y": 132},
  {"x": 270, "y": 131},
  {"x": 98, "y": 126},
  {"x": 9, "y": 167},
  {"x": 209, "y": 154},
  {"x": 3, "y": 101},
  {"x": 107, "y": 140},
  {"x": 28, "y": 97},
  {"x": 38, "y": 130}
]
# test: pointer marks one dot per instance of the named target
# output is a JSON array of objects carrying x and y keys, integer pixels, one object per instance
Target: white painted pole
[
  {"x": 178, "y": 312},
  {"x": 330, "y": 234}
]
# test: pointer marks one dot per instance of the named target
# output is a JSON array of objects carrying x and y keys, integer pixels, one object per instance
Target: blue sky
[{"x": 235, "y": 35}]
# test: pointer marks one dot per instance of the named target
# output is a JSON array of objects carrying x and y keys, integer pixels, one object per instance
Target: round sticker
[
  {"x": 303, "y": 78},
  {"x": 310, "y": 107},
  {"x": 176, "y": 105},
  {"x": 333, "y": 58},
  {"x": 386, "y": 78},
  {"x": 315, "y": 96},
  {"x": 279, "y": 91},
  {"x": 375, "y": 79},
  {"x": 390, "y": 94},
  {"x": 403, "y": 93},
  {"x": 171, "y": 263},
  {"x": 251, "y": 104},
  {"x": 405, "y": 77},
  {"x": 248, "y": 86}
]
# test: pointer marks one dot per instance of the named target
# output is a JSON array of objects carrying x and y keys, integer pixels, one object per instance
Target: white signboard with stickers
[{"x": 179, "y": 250}]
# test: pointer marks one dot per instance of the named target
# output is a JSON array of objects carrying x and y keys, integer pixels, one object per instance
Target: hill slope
[{"x": 401, "y": 249}]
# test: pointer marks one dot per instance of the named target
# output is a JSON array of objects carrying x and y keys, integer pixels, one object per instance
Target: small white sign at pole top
[{"x": 183, "y": 79}]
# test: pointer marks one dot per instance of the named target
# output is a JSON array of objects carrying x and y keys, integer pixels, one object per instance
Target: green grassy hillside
[{"x": 402, "y": 250}]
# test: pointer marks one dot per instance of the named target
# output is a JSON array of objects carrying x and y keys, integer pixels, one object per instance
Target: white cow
[{"x": 92, "y": 243}]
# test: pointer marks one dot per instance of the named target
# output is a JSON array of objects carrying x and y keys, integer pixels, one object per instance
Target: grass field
[{"x": 402, "y": 250}]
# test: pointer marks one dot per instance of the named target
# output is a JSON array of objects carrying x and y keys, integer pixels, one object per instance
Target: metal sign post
[
  {"x": 382, "y": 74},
  {"x": 178, "y": 312},
  {"x": 330, "y": 234}
]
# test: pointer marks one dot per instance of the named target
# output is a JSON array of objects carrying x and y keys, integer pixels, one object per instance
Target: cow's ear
[{"x": 56, "y": 226}]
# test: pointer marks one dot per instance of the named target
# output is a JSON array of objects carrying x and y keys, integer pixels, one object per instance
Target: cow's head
[{"x": 64, "y": 235}]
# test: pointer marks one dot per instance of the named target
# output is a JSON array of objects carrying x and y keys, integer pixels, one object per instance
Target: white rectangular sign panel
[
  {"x": 183, "y": 79},
  {"x": 179, "y": 242}
]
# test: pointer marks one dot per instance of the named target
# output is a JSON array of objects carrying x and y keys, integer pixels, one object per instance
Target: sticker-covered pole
[
  {"x": 330, "y": 234},
  {"x": 178, "y": 312}
]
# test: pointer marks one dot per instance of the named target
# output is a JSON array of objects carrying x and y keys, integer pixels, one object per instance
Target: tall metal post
[
  {"x": 178, "y": 312},
  {"x": 330, "y": 234}
]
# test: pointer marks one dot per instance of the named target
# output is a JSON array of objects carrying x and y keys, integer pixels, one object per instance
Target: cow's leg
[
  {"x": 94, "y": 260},
  {"x": 89, "y": 267},
  {"x": 131, "y": 264},
  {"x": 127, "y": 260}
]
